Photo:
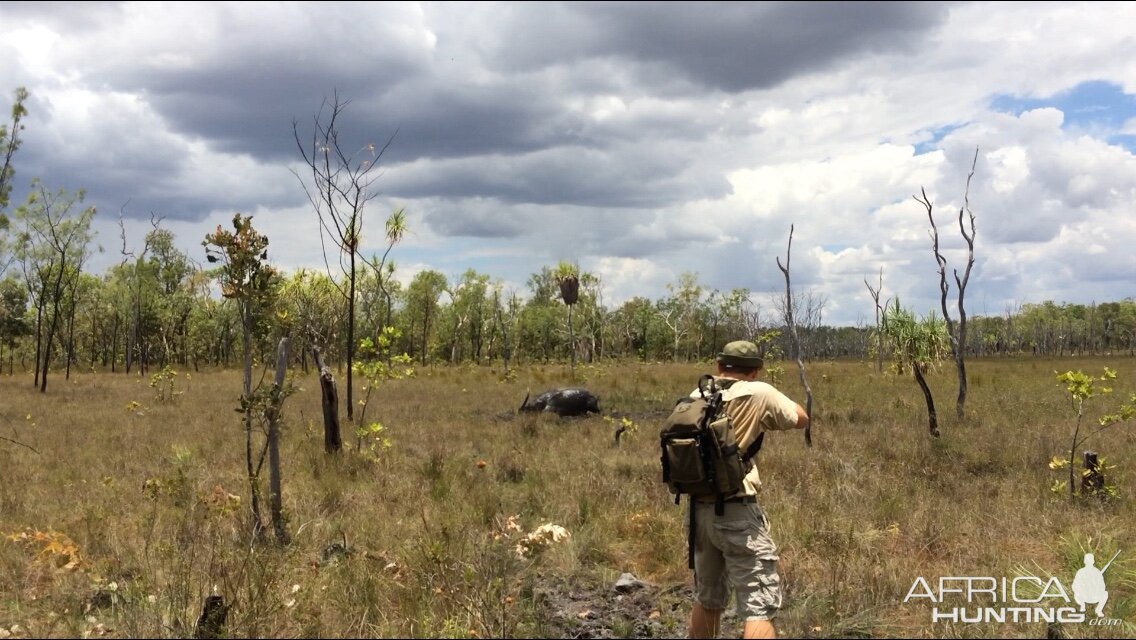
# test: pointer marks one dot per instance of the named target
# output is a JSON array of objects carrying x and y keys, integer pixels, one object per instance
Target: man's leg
[
  {"x": 759, "y": 629},
  {"x": 1100, "y": 605},
  {"x": 710, "y": 586},
  {"x": 704, "y": 623}
]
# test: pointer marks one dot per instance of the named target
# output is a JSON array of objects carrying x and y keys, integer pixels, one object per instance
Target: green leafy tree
[
  {"x": 538, "y": 335},
  {"x": 632, "y": 323},
  {"x": 422, "y": 307},
  {"x": 161, "y": 281},
  {"x": 383, "y": 268},
  {"x": 591, "y": 317},
  {"x": 13, "y": 317},
  {"x": 377, "y": 365},
  {"x": 246, "y": 278},
  {"x": 81, "y": 294},
  {"x": 52, "y": 245},
  {"x": 173, "y": 272},
  {"x": 506, "y": 317},
  {"x": 309, "y": 305},
  {"x": 9, "y": 144},
  {"x": 1082, "y": 387},
  {"x": 918, "y": 345},
  {"x": 467, "y": 317},
  {"x": 681, "y": 308}
]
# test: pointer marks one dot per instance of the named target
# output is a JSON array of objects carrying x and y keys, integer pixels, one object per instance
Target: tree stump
[
  {"x": 1092, "y": 478},
  {"x": 211, "y": 624},
  {"x": 332, "y": 441}
]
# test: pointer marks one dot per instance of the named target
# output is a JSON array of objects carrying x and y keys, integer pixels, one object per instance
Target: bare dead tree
[
  {"x": 340, "y": 190},
  {"x": 957, "y": 337},
  {"x": 272, "y": 415},
  {"x": 875, "y": 292},
  {"x": 961, "y": 284},
  {"x": 796, "y": 339}
]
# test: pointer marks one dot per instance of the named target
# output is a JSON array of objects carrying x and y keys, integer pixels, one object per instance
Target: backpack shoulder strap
[{"x": 754, "y": 446}]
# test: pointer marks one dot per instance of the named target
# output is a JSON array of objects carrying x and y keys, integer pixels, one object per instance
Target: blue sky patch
[
  {"x": 937, "y": 135},
  {"x": 1094, "y": 105}
]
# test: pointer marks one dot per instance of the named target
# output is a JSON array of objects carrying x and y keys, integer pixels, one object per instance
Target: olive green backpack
[{"x": 700, "y": 455}]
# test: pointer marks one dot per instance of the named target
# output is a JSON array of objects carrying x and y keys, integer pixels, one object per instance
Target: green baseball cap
[{"x": 741, "y": 353}]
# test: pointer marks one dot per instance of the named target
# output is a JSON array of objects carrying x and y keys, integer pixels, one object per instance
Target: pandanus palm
[{"x": 567, "y": 276}]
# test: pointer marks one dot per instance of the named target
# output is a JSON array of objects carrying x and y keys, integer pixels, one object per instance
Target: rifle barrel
[{"x": 1110, "y": 561}]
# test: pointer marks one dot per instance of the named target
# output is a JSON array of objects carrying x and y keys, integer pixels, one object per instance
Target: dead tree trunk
[
  {"x": 796, "y": 339},
  {"x": 332, "y": 441},
  {"x": 1092, "y": 479},
  {"x": 957, "y": 338},
  {"x": 275, "y": 500},
  {"x": 932, "y": 418},
  {"x": 879, "y": 326},
  {"x": 211, "y": 623},
  {"x": 961, "y": 285}
]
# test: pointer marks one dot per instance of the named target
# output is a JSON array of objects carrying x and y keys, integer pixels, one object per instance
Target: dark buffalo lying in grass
[{"x": 563, "y": 402}]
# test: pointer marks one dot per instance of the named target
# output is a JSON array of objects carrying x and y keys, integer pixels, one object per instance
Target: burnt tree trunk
[
  {"x": 332, "y": 441},
  {"x": 275, "y": 500},
  {"x": 211, "y": 623},
  {"x": 1092, "y": 480},
  {"x": 932, "y": 419}
]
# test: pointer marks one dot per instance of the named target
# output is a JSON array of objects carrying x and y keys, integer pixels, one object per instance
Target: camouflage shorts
[{"x": 734, "y": 550}]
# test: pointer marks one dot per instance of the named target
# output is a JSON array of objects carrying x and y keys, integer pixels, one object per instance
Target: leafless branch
[
  {"x": 19, "y": 443},
  {"x": 796, "y": 340}
]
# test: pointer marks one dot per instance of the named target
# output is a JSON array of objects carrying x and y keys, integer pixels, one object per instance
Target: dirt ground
[{"x": 629, "y": 609}]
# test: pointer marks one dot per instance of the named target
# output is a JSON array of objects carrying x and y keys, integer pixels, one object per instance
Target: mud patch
[{"x": 628, "y": 609}]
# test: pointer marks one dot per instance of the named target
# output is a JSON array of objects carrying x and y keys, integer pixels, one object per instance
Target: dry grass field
[{"x": 121, "y": 512}]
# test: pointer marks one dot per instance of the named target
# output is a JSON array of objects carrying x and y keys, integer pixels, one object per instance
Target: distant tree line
[{"x": 163, "y": 308}]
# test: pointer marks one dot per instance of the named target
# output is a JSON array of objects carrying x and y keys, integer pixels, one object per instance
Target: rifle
[{"x": 1105, "y": 568}]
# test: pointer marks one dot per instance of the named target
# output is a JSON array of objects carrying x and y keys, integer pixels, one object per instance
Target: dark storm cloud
[
  {"x": 244, "y": 99},
  {"x": 508, "y": 101},
  {"x": 630, "y": 176},
  {"x": 442, "y": 120},
  {"x": 728, "y": 46}
]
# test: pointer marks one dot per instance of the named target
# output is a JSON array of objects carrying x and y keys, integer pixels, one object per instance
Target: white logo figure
[{"x": 1088, "y": 585}]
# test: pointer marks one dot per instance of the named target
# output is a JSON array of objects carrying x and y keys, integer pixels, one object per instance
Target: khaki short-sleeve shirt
[{"x": 755, "y": 406}]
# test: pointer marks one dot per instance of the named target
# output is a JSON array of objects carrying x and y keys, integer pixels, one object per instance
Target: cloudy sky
[{"x": 637, "y": 140}]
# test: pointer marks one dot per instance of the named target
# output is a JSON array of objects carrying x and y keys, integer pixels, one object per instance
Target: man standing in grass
[{"x": 734, "y": 551}]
